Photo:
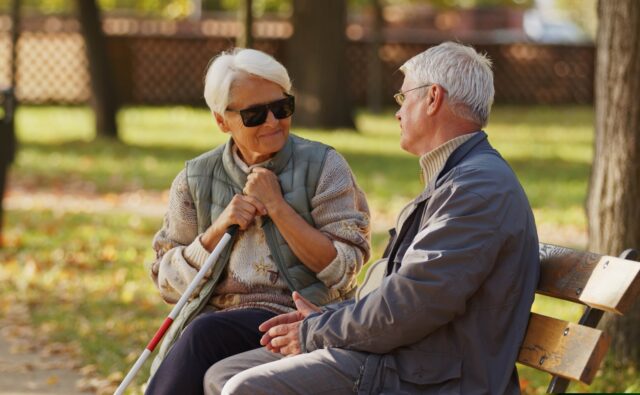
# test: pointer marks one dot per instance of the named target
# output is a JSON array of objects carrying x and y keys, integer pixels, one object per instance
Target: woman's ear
[{"x": 222, "y": 123}]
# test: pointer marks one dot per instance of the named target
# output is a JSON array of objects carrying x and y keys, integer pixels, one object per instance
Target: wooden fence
[{"x": 162, "y": 67}]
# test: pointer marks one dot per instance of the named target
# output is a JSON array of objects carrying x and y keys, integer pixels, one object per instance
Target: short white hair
[
  {"x": 465, "y": 74},
  {"x": 228, "y": 66}
]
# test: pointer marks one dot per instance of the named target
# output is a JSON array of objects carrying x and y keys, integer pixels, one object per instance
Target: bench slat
[
  {"x": 613, "y": 286},
  {"x": 599, "y": 281},
  {"x": 563, "y": 348}
]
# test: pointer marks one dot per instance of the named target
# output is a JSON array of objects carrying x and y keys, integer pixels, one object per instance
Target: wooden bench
[{"x": 574, "y": 351}]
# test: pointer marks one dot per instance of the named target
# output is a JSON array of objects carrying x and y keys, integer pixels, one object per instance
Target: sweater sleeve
[
  {"x": 340, "y": 211},
  {"x": 179, "y": 253}
]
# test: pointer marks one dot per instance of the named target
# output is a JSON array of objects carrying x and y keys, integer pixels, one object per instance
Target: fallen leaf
[
  {"x": 88, "y": 370},
  {"x": 115, "y": 377},
  {"x": 53, "y": 380}
]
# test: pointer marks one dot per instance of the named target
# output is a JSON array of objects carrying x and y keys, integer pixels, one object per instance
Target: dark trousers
[{"x": 207, "y": 340}]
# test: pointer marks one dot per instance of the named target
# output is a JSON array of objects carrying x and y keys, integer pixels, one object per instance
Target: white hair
[
  {"x": 465, "y": 74},
  {"x": 225, "y": 68}
]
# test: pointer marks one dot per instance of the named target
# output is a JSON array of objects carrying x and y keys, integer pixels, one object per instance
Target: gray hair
[
  {"x": 225, "y": 68},
  {"x": 465, "y": 74}
]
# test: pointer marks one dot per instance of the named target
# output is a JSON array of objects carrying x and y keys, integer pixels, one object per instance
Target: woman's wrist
[
  {"x": 210, "y": 237},
  {"x": 278, "y": 209}
]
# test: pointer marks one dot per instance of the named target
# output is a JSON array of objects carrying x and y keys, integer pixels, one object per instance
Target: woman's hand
[
  {"x": 263, "y": 185},
  {"x": 242, "y": 211},
  {"x": 312, "y": 247}
]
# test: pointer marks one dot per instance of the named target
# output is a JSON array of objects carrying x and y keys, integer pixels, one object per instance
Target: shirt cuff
[
  {"x": 336, "y": 275},
  {"x": 196, "y": 254}
]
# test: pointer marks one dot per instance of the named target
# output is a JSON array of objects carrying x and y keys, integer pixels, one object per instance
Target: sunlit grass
[{"x": 550, "y": 149}]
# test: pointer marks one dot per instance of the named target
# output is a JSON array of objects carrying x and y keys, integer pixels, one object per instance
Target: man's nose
[{"x": 398, "y": 114}]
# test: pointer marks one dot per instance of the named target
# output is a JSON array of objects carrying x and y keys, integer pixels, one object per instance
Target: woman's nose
[{"x": 271, "y": 119}]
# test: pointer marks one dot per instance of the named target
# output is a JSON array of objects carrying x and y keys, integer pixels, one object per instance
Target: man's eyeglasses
[
  {"x": 400, "y": 96},
  {"x": 257, "y": 115}
]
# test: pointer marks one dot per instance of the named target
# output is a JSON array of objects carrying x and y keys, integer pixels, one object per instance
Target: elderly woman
[{"x": 304, "y": 224}]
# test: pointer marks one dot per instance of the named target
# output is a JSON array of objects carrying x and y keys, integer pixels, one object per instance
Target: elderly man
[{"x": 451, "y": 308}]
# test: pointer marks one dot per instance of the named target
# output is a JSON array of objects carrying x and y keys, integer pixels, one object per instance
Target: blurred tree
[
  {"x": 103, "y": 94},
  {"x": 245, "y": 17},
  {"x": 374, "y": 65},
  {"x": 612, "y": 205},
  {"x": 260, "y": 7},
  {"x": 7, "y": 121},
  {"x": 318, "y": 64},
  {"x": 195, "y": 11}
]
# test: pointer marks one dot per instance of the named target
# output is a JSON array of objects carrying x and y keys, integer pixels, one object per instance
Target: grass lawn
[{"x": 83, "y": 274}]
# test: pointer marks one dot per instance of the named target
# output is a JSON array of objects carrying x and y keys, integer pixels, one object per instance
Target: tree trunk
[
  {"x": 318, "y": 64},
  {"x": 8, "y": 143},
  {"x": 245, "y": 18},
  {"x": 104, "y": 100},
  {"x": 374, "y": 77},
  {"x": 196, "y": 10},
  {"x": 613, "y": 207}
]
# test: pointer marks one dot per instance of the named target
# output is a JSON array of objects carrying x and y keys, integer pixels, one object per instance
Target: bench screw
[
  {"x": 606, "y": 263},
  {"x": 566, "y": 332},
  {"x": 578, "y": 291},
  {"x": 542, "y": 359}
]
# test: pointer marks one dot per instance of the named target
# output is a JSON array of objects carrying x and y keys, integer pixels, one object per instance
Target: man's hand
[
  {"x": 282, "y": 334},
  {"x": 263, "y": 184}
]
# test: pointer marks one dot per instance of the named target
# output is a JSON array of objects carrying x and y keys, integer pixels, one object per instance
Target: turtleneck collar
[
  {"x": 433, "y": 161},
  {"x": 238, "y": 173},
  {"x": 246, "y": 169}
]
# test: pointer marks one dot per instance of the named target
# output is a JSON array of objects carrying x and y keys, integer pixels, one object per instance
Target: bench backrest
[{"x": 574, "y": 351}]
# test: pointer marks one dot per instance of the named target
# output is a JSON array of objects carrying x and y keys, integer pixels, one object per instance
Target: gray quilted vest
[{"x": 214, "y": 179}]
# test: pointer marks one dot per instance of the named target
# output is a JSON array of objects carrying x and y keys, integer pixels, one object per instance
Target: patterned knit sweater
[{"x": 252, "y": 279}]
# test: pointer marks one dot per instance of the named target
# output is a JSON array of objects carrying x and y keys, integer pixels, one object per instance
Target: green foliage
[
  {"x": 260, "y": 7},
  {"x": 47, "y": 6},
  {"x": 84, "y": 275},
  {"x": 583, "y": 13}
]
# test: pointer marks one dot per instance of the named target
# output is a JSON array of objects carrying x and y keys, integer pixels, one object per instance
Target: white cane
[{"x": 176, "y": 309}]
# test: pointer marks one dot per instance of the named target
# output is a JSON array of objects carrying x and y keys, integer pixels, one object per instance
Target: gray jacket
[{"x": 450, "y": 315}]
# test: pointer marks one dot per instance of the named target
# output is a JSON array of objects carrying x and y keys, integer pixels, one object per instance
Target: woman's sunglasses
[{"x": 257, "y": 115}]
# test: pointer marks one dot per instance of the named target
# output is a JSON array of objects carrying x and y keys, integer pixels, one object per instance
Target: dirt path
[
  {"x": 30, "y": 365},
  {"x": 154, "y": 204}
]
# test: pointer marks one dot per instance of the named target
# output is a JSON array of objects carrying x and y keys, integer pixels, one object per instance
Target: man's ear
[
  {"x": 222, "y": 123},
  {"x": 435, "y": 98}
]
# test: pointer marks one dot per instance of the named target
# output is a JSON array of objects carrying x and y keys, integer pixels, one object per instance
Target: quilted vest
[{"x": 214, "y": 179}]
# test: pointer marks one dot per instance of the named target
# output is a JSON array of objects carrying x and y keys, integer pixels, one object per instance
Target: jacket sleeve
[{"x": 445, "y": 265}]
